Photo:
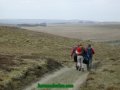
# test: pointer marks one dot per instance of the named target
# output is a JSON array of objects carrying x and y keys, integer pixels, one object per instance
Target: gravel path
[{"x": 62, "y": 76}]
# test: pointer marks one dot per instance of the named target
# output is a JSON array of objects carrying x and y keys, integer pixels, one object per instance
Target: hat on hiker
[
  {"x": 80, "y": 44},
  {"x": 89, "y": 45}
]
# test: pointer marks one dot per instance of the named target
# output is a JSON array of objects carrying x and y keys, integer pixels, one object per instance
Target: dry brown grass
[
  {"x": 23, "y": 51},
  {"x": 84, "y": 32}
]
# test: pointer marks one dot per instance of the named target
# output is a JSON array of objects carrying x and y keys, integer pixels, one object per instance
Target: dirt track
[{"x": 63, "y": 76}]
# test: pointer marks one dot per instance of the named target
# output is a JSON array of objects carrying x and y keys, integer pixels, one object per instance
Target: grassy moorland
[
  {"x": 26, "y": 55},
  {"x": 107, "y": 75},
  {"x": 95, "y": 32}
]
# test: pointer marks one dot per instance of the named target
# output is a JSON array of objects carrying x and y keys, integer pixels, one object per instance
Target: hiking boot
[
  {"x": 79, "y": 69},
  {"x": 76, "y": 67}
]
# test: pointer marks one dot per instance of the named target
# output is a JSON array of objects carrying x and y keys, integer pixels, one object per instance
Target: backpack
[
  {"x": 79, "y": 51},
  {"x": 86, "y": 59},
  {"x": 89, "y": 52},
  {"x": 88, "y": 55}
]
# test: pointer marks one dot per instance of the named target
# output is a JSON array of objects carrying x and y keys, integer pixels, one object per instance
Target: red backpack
[{"x": 79, "y": 51}]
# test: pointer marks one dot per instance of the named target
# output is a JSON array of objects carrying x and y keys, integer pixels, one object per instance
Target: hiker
[
  {"x": 74, "y": 55},
  {"x": 80, "y": 53},
  {"x": 89, "y": 52}
]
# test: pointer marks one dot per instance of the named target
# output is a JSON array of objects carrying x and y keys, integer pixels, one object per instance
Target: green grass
[
  {"x": 107, "y": 76},
  {"x": 21, "y": 41},
  {"x": 24, "y": 53}
]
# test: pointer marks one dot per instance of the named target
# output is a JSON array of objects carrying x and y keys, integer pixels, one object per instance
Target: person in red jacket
[
  {"x": 80, "y": 53},
  {"x": 74, "y": 55},
  {"x": 89, "y": 52}
]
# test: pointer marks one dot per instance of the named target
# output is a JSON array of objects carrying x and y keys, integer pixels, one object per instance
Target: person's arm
[
  {"x": 85, "y": 50},
  {"x": 72, "y": 51},
  {"x": 93, "y": 51}
]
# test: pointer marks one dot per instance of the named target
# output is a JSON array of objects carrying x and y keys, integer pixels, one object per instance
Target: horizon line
[{"x": 58, "y": 19}]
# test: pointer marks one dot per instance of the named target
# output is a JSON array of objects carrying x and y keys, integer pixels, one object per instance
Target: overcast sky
[{"x": 98, "y": 10}]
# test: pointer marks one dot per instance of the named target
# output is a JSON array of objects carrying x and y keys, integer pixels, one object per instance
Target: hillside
[
  {"x": 26, "y": 55},
  {"x": 107, "y": 74},
  {"x": 95, "y": 32}
]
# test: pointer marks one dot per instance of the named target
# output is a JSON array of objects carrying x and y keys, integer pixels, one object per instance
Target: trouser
[
  {"x": 80, "y": 61},
  {"x": 75, "y": 58},
  {"x": 89, "y": 65}
]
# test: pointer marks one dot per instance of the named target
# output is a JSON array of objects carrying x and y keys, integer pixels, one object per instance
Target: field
[
  {"x": 27, "y": 55},
  {"x": 83, "y": 32},
  {"x": 106, "y": 77}
]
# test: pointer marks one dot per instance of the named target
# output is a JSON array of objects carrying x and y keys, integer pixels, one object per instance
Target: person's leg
[
  {"x": 82, "y": 65},
  {"x": 75, "y": 60},
  {"x": 76, "y": 66},
  {"x": 90, "y": 63},
  {"x": 79, "y": 63},
  {"x": 87, "y": 66}
]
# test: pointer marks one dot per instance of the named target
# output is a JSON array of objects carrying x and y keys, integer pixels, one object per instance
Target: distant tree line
[{"x": 32, "y": 25}]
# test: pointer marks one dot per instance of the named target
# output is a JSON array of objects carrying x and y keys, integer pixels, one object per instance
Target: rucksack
[
  {"x": 89, "y": 52},
  {"x": 86, "y": 59},
  {"x": 79, "y": 51}
]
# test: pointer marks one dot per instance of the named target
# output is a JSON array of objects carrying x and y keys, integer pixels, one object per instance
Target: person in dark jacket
[{"x": 89, "y": 52}]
